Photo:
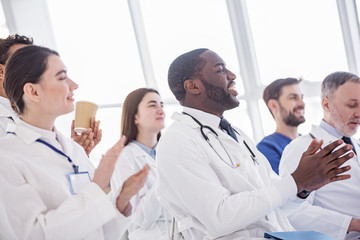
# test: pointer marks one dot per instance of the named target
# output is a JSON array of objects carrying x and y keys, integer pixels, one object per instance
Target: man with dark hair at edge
[
  {"x": 284, "y": 100},
  {"x": 211, "y": 177}
]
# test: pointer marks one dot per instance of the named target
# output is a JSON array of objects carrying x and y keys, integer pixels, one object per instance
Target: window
[
  {"x": 96, "y": 41},
  {"x": 297, "y": 38}
]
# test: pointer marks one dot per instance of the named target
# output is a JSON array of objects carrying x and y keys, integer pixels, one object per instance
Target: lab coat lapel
[{"x": 320, "y": 134}]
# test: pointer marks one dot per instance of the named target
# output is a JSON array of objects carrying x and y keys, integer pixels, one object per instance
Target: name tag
[{"x": 77, "y": 181}]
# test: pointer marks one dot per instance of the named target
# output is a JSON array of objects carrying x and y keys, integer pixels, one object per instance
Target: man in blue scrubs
[{"x": 285, "y": 102}]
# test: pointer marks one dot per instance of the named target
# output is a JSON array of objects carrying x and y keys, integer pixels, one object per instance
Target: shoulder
[
  {"x": 131, "y": 150},
  {"x": 268, "y": 140},
  {"x": 301, "y": 141}
]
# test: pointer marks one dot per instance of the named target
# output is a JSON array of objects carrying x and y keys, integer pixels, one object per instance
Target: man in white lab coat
[
  {"x": 340, "y": 94},
  {"x": 215, "y": 182},
  {"x": 7, "y": 47}
]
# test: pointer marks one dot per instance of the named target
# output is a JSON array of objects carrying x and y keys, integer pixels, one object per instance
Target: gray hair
[{"x": 335, "y": 80}]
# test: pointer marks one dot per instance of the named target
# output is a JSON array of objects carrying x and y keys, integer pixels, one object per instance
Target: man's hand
[
  {"x": 131, "y": 186},
  {"x": 354, "y": 225},
  {"x": 316, "y": 169},
  {"x": 89, "y": 138},
  {"x": 106, "y": 167}
]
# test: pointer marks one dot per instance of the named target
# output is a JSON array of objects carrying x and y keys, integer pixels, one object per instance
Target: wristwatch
[{"x": 304, "y": 194}]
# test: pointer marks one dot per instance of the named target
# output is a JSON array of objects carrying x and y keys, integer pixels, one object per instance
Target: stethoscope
[{"x": 202, "y": 127}]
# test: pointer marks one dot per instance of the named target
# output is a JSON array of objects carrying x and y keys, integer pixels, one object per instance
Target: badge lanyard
[
  {"x": 77, "y": 180},
  {"x": 75, "y": 167}
]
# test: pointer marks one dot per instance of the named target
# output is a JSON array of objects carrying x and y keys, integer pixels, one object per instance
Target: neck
[
  {"x": 288, "y": 131},
  {"x": 148, "y": 139},
  {"x": 203, "y": 108},
  {"x": 44, "y": 122}
]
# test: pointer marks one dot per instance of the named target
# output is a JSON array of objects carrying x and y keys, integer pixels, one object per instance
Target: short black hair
[
  {"x": 184, "y": 67},
  {"x": 26, "y": 65},
  {"x": 273, "y": 90},
  {"x": 335, "y": 80},
  {"x": 7, "y": 43}
]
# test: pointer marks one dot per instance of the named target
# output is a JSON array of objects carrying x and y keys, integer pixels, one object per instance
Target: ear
[
  {"x": 325, "y": 104},
  {"x": 136, "y": 119},
  {"x": 2, "y": 71},
  {"x": 31, "y": 92},
  {"x": 273, "y": 105},
  {"x": 192, "y": 86}
]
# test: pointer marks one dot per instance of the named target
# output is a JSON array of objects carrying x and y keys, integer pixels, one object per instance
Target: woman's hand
[
  {"x": 106, "y": 167},
  {"x": 89, "y": 138},
  {"x": 131, "y": 186}
]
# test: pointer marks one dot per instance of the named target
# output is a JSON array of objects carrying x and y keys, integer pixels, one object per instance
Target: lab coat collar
[
  {"x": 203, "y": 117},
  {"x": 330, "y": 129},
  {"x": 5, "y": 108},
  {"x": 206, "y": 119},
  {"x": 29, "y": 133},
  {"x": 321, "y": 134}
]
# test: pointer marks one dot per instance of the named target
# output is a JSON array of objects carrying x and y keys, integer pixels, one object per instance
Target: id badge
[{"x": 77, "y": 181}]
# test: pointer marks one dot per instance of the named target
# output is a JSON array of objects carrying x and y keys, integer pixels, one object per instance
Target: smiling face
[
  {"x": 219, "y": 87},
  {"x": 55, "y": 88},
  {"x": 342, "y": 108},
  {"x": 150, "y": 115},
  {"x": 291, "y": 105}
]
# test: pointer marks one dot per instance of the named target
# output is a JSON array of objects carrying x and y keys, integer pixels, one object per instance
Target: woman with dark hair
[
  {"x": 141, "y": 121},
  {"x": 49, "y": 186}
]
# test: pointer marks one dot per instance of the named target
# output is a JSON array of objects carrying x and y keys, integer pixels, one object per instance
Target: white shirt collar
[
  {"x": 29, "y": 133},
  {"x": 203, "y": 117},
  {"x": 5, "y": 108}
]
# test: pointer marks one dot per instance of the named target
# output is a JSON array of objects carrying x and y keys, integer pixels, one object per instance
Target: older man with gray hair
[{"x": 324, "y": 211}]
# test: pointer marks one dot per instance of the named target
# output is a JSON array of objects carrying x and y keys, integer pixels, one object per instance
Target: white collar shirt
[{"x": 36, "y": 192}]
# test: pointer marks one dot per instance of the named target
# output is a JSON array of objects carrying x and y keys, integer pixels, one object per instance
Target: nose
[
  {"x": 73, "y": 85},
  {"x": 357, "y": 112},
  {"x": 161, "y": 110},
  {"x": 231, "y": 76},
  {"x": 301, "y": 102}
]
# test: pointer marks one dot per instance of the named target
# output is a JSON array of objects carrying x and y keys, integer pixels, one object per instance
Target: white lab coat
[
  {"x": 329, "y": 209},
  {"x": 5, "y": 113},
  {"x": 36, "y": 194},
  {"x": 210, "y": 199},
  {"x": 148, "y": 220}
]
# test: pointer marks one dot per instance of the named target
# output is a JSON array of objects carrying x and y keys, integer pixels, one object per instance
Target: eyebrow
[
  {"x": 295, "y": 94},
  {"x": 220, "y": 64},
  {"x": 60, "y": 72},
  {"x": 153, "y": 101}
]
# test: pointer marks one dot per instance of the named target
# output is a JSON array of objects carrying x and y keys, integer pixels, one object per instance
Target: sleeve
[
  {"x": 304, "y": 217},
  {"x": 187, "y": 180},
  {"x": 270, "y": 152},
  {"x": 291, "y": 156},
  {"x": 302, "y": 214},
  {"x": 31, "y": 217},
  {"x": 146, "y": 207},
  {"x": 148, "y": 210}
]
